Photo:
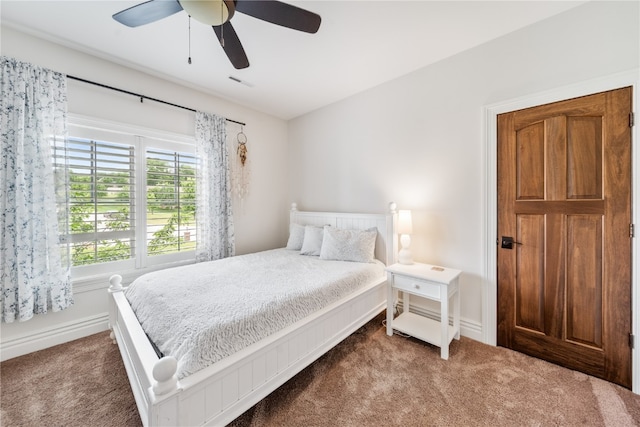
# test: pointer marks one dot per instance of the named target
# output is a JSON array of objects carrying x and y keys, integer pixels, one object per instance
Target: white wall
[
  {"x": 418, "y": 140},
  {"x": 267, "y": 202}
]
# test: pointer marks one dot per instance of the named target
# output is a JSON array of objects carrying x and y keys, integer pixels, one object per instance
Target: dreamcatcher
[{"x": 241, "y": 172}]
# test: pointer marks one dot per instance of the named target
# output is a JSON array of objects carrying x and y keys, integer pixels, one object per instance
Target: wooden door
[{"x": 564, "y": 197}]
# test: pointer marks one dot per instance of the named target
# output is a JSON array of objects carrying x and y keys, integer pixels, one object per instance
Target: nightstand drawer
[{"x": 417, "y": 286}]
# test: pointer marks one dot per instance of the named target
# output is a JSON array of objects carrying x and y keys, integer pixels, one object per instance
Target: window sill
[{"x": 101, "y": 281}]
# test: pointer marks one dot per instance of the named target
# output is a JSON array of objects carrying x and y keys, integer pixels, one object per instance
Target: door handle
[{"x": 507, "y": 242}]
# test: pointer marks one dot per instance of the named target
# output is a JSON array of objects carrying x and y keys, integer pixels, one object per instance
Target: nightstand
[{"x": 431, "y": 282}]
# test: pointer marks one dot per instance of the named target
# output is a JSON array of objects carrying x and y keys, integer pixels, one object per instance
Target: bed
[{"x": 168, "y": 395}]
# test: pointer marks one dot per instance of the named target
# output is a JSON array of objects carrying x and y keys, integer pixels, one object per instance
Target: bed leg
[
  {"x": 164, "y": 372},
  {"x": 115, "y": 285}
]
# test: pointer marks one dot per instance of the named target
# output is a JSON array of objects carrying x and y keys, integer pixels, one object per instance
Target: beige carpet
[{"x": 368, "y": 380}]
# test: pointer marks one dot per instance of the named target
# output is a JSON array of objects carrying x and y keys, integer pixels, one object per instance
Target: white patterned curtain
[
  {"x": 35, "y": 269},
  {"x": 214, "y": 215}
]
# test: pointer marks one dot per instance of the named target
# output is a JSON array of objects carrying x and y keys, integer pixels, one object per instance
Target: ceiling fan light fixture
[
  {"x": 209, "y": 12},
  {"x": 218, "y": 14}
]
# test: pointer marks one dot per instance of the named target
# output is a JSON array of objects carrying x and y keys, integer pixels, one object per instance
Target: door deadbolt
[{"x": 507, "y": 242}]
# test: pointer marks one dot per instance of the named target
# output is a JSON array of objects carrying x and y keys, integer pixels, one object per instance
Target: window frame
[{"x": 140, "y": 138}]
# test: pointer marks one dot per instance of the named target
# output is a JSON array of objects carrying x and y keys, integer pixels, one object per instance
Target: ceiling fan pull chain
[
  {"x": 222, "y": 25},
  {"x": 189, "y": 61}
]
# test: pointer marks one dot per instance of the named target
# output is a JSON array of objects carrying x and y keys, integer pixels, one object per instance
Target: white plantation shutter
[
  {"x": 131, "y": 198},
  {"x": 101, "y": 200},
  {"x": 170, "y": 202}
]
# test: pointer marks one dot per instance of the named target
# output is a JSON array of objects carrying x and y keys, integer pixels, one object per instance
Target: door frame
[{"x": 490, "y": 196}]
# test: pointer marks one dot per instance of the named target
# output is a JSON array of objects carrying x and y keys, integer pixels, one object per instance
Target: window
[
  {"x": 171, "y": 202},
  {"x": 131, "y": 199},
  {"x": 101, "y": 200}
]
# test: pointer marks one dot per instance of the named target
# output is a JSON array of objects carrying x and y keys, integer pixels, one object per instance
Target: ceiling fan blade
[
  {"x": 280, "y": 13},
  {"x": 231, "y": 44},
  {"x": 147, "y": 12}
]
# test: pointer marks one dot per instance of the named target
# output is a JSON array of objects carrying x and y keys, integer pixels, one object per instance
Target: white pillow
[
  {"x": 312, "y": 240},
  {"x": 296, "y": 236},
  {"x": 349, "y": 245}
]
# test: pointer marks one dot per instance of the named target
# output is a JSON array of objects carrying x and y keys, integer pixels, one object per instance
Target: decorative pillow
[
  {"x": 296, "y": 236},
  {"x": 349, "y": 245},
  {"x": 312, "y": 240}
]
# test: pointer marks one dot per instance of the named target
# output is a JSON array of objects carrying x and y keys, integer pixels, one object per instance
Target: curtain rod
[{"x": 142, "y": 96}]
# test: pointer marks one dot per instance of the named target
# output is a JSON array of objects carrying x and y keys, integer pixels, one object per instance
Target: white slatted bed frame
[{"x": 218, "y": 394}]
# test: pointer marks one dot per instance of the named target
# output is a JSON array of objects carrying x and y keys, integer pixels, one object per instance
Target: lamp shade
[
  {"x": 210, "y": 12},
  {"x": 404, "y": 222}
]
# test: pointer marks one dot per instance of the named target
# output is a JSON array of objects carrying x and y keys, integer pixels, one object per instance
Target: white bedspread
[{"x": 205, "y": 312}]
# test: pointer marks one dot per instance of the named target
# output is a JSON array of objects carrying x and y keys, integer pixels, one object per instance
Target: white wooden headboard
[{"x": 386, "y": 242}]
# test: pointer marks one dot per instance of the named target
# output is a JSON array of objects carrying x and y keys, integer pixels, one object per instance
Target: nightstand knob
[{"x": 416, "y": 286}]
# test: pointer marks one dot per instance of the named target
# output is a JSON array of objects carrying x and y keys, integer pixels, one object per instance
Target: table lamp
[{"x": 405, "y": 229}]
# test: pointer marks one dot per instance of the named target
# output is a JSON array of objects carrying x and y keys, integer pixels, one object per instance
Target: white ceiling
[{"x": 360, "y": 44}]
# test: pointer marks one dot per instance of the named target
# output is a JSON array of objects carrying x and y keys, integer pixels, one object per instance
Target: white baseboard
[
  {"x": 46, "y": 338},
  {"x": 468, "y": 328},
  {"x": 70, "y": 331}
]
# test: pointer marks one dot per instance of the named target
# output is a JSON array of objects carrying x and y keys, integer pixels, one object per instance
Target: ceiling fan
[{"x": 218, "y": 14}]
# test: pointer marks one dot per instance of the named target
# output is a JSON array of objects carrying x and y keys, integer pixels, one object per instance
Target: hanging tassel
[
  {"x": 242, "y": 146},
  {"x": 241, "y": 172}
]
